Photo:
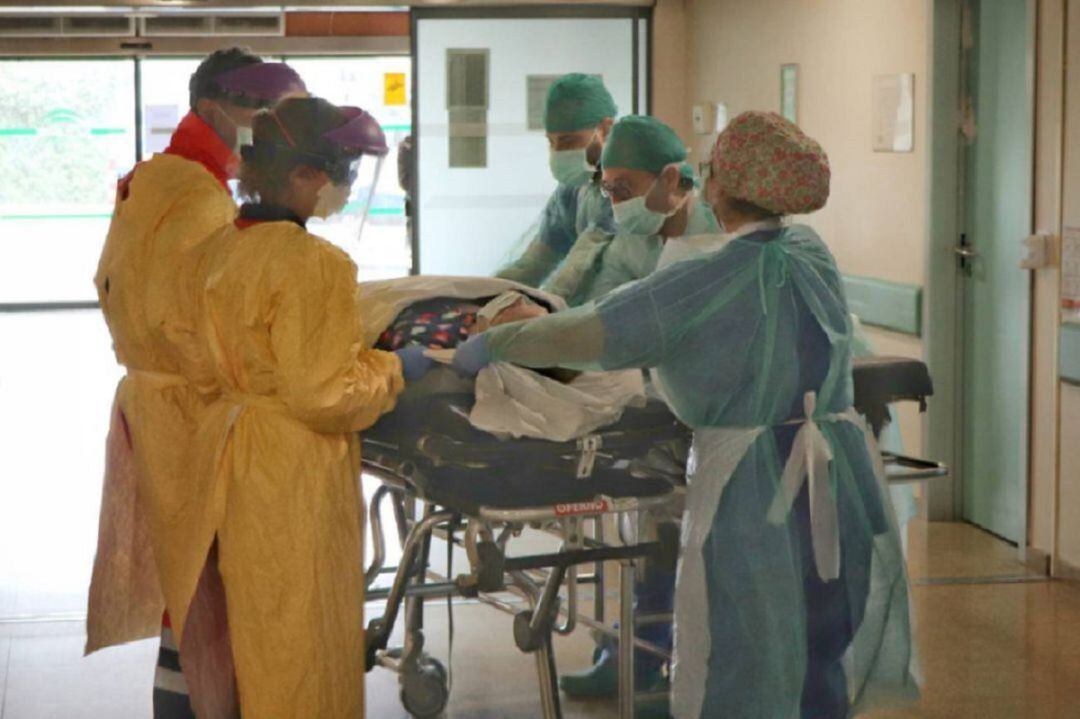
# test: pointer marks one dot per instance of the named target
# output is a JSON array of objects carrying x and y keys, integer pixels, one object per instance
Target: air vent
[
  {"x": 177, "y": 25},
  {"x": 200, "y": 24},
  {"x": 38, "y": 26},
  {"x": 249, "y": 24},
  {"x": 66, "y": 26},
  {"x": 99, "y": 26}
]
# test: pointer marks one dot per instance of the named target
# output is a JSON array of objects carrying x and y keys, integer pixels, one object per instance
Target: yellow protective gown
[
  {"x": 171, "y": 205},
  {"x": 277, "y": 459}
]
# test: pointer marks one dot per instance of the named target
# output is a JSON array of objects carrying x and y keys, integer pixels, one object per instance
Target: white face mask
[
  {"x": 331, "y": 200},
  {"x": 570, "y": 167},
  {"x": 633, "y": 217}
]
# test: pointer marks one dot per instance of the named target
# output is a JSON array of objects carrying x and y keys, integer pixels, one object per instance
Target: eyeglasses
[{"x": 616, "y": 193}]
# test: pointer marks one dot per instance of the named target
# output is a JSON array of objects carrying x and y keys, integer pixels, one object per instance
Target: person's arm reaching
[
  {"x": 328, "y": 378},
  {"x": 553, "y": 241}
]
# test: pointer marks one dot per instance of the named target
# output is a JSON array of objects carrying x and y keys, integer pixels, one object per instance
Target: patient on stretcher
[{"x": 445, "y": 322}]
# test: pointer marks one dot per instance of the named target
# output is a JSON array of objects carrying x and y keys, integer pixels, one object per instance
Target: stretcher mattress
[{"x": 429, "y": 441}]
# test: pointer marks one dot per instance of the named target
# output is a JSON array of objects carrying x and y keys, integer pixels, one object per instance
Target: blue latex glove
[
  {"x": 414, "y": 363},
  {"x": 472, "y": 356}
]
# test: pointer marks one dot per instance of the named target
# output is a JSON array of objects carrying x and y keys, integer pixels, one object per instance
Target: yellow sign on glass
[{"x": 394, "y": 88}]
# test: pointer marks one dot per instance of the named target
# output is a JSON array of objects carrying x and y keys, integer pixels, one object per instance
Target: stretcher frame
[{"x": 537, "y": 578}]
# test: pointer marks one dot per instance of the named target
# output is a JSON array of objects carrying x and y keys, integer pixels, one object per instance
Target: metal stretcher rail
[{"x": 424, "y": 691}]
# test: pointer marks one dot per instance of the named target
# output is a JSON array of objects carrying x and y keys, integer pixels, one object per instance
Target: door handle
[{"x": 965, "y": 252}]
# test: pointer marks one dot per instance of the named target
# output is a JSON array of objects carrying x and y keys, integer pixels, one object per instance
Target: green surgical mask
[
  {"x": 571, "y": 167},
  {"x": 634, "y": 218}
]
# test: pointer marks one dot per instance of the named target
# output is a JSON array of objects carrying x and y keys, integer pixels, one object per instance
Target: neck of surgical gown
[
  {"x": 740, "y": 337},
  {"x": 599, "y": 262},
  {"x": 569, "y": 212}
]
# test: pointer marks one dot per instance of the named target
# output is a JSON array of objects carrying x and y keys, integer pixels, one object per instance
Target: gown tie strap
[{"x": 809, "y": 462}]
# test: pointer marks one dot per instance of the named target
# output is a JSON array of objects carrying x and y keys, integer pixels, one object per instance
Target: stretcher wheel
[{"x": 424, "y": 689}]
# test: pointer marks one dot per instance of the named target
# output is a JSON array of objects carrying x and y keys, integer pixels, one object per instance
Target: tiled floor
[
  {"x": 1002, "y": 651},
  {"x": 989, "y": 651},
  {"x": 955, "y": 551}
]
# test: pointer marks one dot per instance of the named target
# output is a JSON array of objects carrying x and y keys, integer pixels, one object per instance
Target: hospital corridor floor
[{"x": 996, "y": 642}]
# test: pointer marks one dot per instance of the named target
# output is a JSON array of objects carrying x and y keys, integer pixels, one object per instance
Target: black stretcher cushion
[
  {"x": 456, "y": 465},
  {"x": 520, "y": 487},
  {"x": 880, "y": 381},
  {"x": 451, "y": 463},
  {"x": 890, "y": 379}
]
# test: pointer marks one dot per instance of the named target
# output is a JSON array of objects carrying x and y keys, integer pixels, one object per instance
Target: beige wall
[
  {"x": 670, "y": 61},
  {"x": 875, "y": 220}
]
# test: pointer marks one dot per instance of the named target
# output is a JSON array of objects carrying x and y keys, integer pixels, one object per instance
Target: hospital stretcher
[{"x": 446, "y": 479}]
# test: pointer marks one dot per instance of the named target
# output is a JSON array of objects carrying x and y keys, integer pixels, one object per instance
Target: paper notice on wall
[
  {"x": 394, "y": 89},
  {"x": 789, "y": 92},
  {"x": 894, "y": 113},
  {"x": 160, "y": 121},
  {"x": 1070, "y": 271}
]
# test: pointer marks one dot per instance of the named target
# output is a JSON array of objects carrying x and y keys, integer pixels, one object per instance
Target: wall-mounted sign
[
  {"x": 789, "y": 92},
  {"x": 160, "y": 121},
  {"x": 894, "y": 113},
  {"x": 394, "y": 89}
]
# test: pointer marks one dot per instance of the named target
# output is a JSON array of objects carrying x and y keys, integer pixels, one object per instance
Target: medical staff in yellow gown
[
  {"x": 277, "y": 454},
  {"x": 165, "y": 206}
]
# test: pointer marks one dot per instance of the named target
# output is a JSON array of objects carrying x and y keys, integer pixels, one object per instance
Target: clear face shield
[
  {"x": 365, "y": 172},
  {"x": 350, "y": 198}
]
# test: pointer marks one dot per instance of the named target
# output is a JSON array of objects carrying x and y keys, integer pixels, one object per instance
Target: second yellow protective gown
[
  {"x": 168, "y": 206},
  {"x": 278, "y": 464}
]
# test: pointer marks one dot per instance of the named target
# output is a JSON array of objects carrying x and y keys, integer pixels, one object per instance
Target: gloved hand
[
  {"x": 414, "y": 363},
  {"x": 472, "y": 356}
]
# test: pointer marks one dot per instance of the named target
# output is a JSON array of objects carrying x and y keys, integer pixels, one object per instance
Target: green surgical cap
[
  {"x": 577, "y": 102},
  {"x": 638, "y": 142}
]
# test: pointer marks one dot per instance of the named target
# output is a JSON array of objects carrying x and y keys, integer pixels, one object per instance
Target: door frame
[
  {"x": 944, "y": 348},
  {"x": 642, "y": 72}
]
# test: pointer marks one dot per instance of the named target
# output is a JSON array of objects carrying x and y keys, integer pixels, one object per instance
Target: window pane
[
  {"x": 383, "y": 249},
  {"x": 66, "y": 134}
]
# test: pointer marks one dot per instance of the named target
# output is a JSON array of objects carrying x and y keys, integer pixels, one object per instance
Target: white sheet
[{"x": 511, "y": 401}]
